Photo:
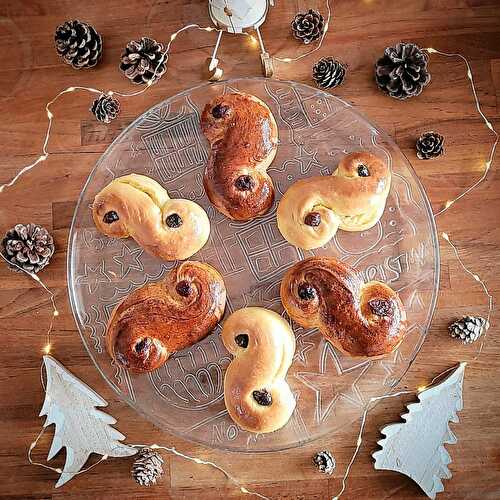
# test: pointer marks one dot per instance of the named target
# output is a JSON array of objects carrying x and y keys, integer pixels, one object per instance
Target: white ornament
[
  {"x": 415, "y": 447},
  {"x": 79, "y": 426}
]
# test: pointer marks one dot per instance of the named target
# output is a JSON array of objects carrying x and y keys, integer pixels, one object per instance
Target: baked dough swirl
[
  {"x": 159, "y": 319},
  {"x": 243, "y": 138},
  {"x": 256, "y": 393},
  {"x": 352, "y": 198},
  {"x": 358, "y": 319},
  {"x": 137, "y": 206}
]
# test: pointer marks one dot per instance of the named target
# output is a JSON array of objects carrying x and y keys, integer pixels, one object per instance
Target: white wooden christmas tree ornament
[
  {"x": 79, "y": 426},
  {"x": 415, "y": 447}
]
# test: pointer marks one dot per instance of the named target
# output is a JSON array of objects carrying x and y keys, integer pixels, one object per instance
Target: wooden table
[{"x": 31, "y": 73}]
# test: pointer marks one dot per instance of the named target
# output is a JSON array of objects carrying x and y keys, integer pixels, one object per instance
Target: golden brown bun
[
  {"x": 146, "y": 213},
  {"x": 358, "y": 319},
  {"x": 243, "y": 138},
  {"x": 345, "y": 199},
  {"x": 161, "y": 318},
  {"x": 260, "y": 366}
]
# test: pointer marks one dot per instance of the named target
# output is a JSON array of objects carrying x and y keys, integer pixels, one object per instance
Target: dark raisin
[
  {"x": 244, "y": 183},
  {"x": 380, "y": 307},
  {"x": 313, "y": 219},
  {"x": 174, "y": 220},
  {"x": 241, "y": 340},
  {"x": 262, "y": 397},
  {"x": 110, "y": 217},
  {"x": 183, "y": 288},
  {"x": 363, "y": 171},
  {"x": 219, "y": 111},
  {"x": 143, "y": 345},
  {"x": 306, "y": 291}
]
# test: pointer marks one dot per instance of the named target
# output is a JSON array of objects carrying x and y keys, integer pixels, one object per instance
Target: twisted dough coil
[
  {"x": 139, "y": 207},
  {"x": 243, "y": 138},
  {"x": 256, "y": 393},
  {"x": 352, "y": 198},
  {"x": 159, "y": 319},
  {"x": 358, "y": 319}
]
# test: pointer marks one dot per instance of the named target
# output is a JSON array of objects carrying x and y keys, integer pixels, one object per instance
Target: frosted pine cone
[
  {"x": 147, "y": 467},
  {"x": 141, "y": 59},
  {"x": 105, "y": 108},
  {"x": 468, "y": 329},
  {"x": 28, "y": 246},
  {"x": 402, "y": 71},
  {"x": 324, "y": 461},
  {"x": 78, "y": 44},
  {"x": 308, "y": 26},
  {"x": 328, "y": 73},
  {"x": 429, "y": 145}
]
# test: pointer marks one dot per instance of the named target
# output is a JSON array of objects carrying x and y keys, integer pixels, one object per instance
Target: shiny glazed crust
[
  {"x": 243, "y": 138},
  {"x": 358, "y": 319},
  {"x": 159, "y": 319},
  {"x": 343, "y": 200},
  {"x": 261, "y": 365},
  {"x": 143, "y": 207}
]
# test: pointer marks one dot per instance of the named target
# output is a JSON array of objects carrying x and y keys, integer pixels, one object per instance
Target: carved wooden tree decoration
[
  {"x": 415, "y": 447},
  {"x": 79, "y": 426}
]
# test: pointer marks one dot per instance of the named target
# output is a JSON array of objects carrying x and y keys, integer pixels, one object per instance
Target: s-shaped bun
[{"x": 138, "y": 207}]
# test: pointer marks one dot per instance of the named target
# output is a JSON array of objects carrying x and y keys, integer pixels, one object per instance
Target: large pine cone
[
  {"x": 328, "y": 73},
  {"x": 402, "y": 71},
  {"x": 28, "y": 246},
  {"x": 141, "y": 59},
  {"x": 308, "y": 26},
  {"x": 147, "y": 467},
  {"x": 78, "y": 44}
]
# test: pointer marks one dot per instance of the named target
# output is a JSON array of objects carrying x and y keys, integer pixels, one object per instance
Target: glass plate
[{"x": 185, "y": 396}]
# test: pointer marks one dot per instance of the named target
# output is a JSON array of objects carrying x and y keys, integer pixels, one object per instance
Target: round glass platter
[{"x": 185, "y": 396}]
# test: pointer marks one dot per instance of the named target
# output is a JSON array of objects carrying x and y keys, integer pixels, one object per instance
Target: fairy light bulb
[{"x": 47, "y": 349}]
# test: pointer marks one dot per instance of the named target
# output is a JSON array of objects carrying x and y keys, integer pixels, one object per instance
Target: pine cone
[
  {"x": 468, "y": 329},
  {"x": 29, "y": 246},
  {"x": 402, "y": 71},
  {"x": 324, "y": 461},
  {"x": 328, "y": 73},
  {"x": 308, "y": 26},
  {"x": 429, "y": 145},
  {"x": 78, "y": 44},
  {"x": 141, "y": 59},
  {"x": 105, "y": 108},
  {"x": 147, "y": 467}
]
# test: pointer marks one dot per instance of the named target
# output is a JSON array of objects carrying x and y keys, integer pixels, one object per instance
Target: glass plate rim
[{"x": 69, "y": 272}]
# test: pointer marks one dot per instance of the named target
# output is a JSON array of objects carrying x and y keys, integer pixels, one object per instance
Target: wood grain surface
[{"x": 31, "y": 73}]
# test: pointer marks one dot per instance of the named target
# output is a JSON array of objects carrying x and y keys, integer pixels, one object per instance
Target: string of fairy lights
[{"x": 47, "y": 348}]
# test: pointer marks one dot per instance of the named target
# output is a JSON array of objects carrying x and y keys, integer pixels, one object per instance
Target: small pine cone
[
  {"x": 308, "y": 26},
  {"x": 468, "y": 329},
  {"x": 402, "y": 71},
  {"x": 328, "y": 73},
  {"x": 429, "y": 145},
  {"x": 28, "y": 246},
  {"x": 141, "y": 59},
  {"x": 78, "y": 43},
  {"x": 324, "y": 461},
  {"x": 105, "y": 108},
  {"x": 147, "y": 467}
]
